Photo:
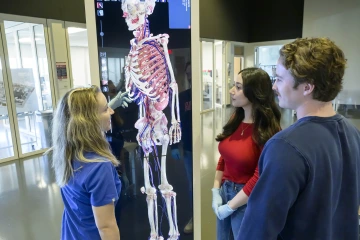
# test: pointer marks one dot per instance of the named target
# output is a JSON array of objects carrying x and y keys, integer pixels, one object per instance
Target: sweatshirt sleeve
[
  {"x": 221, "y": 164},
  {"x": 283, "y": 174}
]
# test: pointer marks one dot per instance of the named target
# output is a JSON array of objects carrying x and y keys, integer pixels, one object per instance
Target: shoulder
[
  {"x": 283, "y": 157},
  {"x": 280, "y": 145},
  {"x": 301, "y": 130},
  {"x": 162, "y": 37},
  {"x": 290, "y": 142},
  {"x": 310, "y": 130},
  {"x": 351, "y": 127},
  {"x": 97, "y": 163}
]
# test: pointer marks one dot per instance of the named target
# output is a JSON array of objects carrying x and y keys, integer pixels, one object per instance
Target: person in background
[
  {"x": 116, "y": 139},
  {"x": 186, "y": 140},
  {"x": 114, "y": 136},
  {"x": 255, "y": 120},
  {"x": 309, "y": 185},
  {"x": 84, "y": 165}
]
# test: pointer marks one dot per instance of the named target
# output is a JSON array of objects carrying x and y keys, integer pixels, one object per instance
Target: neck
[
  {"x": 316, "y": 109},
  {"x": 143, "y": 31},
  {"x": 248, "y": 118}
]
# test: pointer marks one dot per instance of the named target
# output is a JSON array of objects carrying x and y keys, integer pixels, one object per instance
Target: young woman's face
[
  {"x": 104, "y": 112},
  {"x": 238, "y": 98}
]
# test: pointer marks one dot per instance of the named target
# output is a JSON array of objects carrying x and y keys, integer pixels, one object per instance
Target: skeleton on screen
[{"x": 151, "y": 83}]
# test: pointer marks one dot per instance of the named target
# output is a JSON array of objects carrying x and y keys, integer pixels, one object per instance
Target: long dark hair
[{"x": 257, "y": 88}]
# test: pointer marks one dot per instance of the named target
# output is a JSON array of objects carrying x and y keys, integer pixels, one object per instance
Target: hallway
[{"x": 31, "y": 206}]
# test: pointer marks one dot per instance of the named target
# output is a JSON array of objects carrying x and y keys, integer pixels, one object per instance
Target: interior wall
[
  {"x": 275, "y": 20},
  {"x": 66, "y": 10},
  {"x": 59, "y": 54},
  {"x": 340, "y": 22},
  {"x": 251, "y": 21},
  {"x": 224, "y": 20}
]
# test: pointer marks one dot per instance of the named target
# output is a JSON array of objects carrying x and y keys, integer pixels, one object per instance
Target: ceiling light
[
  {"x": 25, "y": 40},
  {"x": 28, "y": 40},
  {"x": 72, "y": 30}
]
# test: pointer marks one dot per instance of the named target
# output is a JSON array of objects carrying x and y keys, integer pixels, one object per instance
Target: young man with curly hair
[{"x": 309, "y": 185}]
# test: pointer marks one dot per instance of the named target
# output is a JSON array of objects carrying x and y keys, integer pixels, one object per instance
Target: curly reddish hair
[{"x": 317, "y": 61}]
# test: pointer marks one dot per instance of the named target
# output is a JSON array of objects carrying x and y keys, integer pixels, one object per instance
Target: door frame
[
  {"x": 13, "y": 118},
  {"x": 212, "y": 108},
  {"x": 75, "y": 25},
  {"x": 9, "y": 104}
]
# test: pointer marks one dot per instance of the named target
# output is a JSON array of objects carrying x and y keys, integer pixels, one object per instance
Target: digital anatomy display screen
[{"x": 179, "y": 14}]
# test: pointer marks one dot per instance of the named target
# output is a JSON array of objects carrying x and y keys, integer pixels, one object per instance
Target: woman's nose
[{"x": 231, "y": 90}]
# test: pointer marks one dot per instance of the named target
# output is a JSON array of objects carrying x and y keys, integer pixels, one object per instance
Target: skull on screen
[{"x": 136, "y": 11}]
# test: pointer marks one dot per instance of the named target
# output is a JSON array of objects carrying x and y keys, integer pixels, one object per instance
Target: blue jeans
[
  {"x": 189, "y": 174},
  {"x": 229, "y": 228}
]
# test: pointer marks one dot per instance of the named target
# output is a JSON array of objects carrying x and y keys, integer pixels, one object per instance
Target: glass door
[
  {"x": 29, "y": 83},
  {"x": 207, "y": 93},
  {"x": 7, "y": 139},
  {"x": 219, "y": 72}
]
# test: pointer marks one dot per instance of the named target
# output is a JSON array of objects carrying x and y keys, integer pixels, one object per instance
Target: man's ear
[{"x": 308, "y": 88}]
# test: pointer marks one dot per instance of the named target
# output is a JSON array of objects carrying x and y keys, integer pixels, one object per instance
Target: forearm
[
  {"x": 218, "y": 179},
  {"x": 239, "y": 200},
  {"x": 110, "y": 233}
]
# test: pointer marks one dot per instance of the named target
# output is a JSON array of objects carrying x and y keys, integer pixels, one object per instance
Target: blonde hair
[{"x": 75, "y": 131}]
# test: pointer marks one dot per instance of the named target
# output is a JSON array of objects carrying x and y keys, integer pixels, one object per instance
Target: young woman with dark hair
[{"x": 255, "y": 120}]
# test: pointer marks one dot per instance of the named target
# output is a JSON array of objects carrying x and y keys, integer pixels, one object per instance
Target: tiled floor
[
  {"x": 31, "y": 206},
  {"x": 30, "y": 201}
]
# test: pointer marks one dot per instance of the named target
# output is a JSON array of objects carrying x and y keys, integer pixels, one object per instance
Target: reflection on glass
[
  {"x": 31, "y": 84},
  {"x": 8, "y": 179},
  {"x": 115, "y": 70},
  {"x": 38, "y": 172},
  {"x": 267, "y": 57},
  {"x": 79, "y": 53},
  {"x": 207, "y": 75},
  {"x": 43, "y": 67},
  {"x": 236, "y": 68},
  {"x": 219, "y": 71},
  {"x": 6, "y": 146}
]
